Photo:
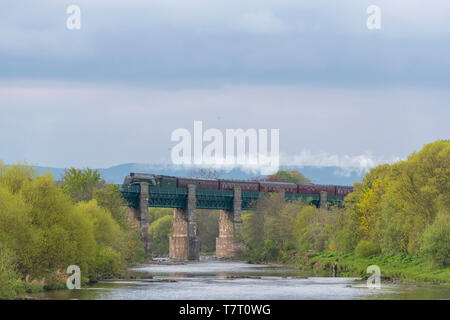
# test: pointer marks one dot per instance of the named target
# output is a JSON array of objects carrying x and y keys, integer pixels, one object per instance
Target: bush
[
  {"x": 392, "y": 240},
  {"x": 436, "y": 241},
  {"x": 11, "y": 283},
  {"x": 271, "y": 251},
  {"x": 106, "y": 230},
  {"x": 367, "y": 248},
  {"x": 43, "y": 230},
  {"x": 160, "y": 230},
  {"x": 108, "y": 261}
]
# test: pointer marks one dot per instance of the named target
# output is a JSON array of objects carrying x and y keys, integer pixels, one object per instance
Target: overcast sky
[{"x": 113, "y": 91}]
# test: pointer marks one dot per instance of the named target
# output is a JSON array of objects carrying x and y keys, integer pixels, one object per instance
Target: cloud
[
  {"x": 113, "y": 91},
  {"x": 260, "y": 22},
  {"x": 196, "y": 43},
  {"x": 81, "y": 125},
  {"x": 346, "y": 163}
]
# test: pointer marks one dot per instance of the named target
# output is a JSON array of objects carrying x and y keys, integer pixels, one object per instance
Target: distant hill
[{"x": 320, "y": 175}]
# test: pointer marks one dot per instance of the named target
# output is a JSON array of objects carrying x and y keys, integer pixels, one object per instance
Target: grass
[{"x": 399, "y": 267}]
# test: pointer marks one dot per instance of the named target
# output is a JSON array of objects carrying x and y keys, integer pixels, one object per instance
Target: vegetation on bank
[
  {"x": 47, "y": 226},
  {"x": 398, "y": 217},
  {"x": 401, "y": 267}
]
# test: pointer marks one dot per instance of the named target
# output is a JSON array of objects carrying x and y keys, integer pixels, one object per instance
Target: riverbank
[{"x": 396, "y": 268}]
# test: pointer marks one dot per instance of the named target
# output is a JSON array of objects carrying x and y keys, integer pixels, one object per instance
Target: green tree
[
  {"x": 11, "y": 284},
  {"x": 156, "y": 213},
  {"x": 81, "y": 184},
  {"x": 366, "y": 248},
  {"x": 313, "y": 228},
  {"x": 293, "y": 176},
  {"x": 14, "y": 176},
  {"x": 110, "y": 239},
  {"x": 110, "y": 198},
  {"x": 436, "y": 240},
  {"x": 253, "y": 234},
  {"x": 208, "y": 229},
  {"x": 161, "y": 230}
]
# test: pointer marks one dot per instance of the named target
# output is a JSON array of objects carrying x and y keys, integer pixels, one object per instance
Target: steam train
[{"x": 245, "y": 185}]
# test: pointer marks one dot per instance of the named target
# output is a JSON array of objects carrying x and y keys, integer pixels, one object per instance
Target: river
[{"x": 238, "y": 280}]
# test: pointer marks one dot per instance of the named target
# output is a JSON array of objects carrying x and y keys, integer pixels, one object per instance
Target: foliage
[
  {"x": 161, "y": 230},
  {"x": 293, "y": 176},
  {"x": 81, "y": 184},
  {"x": 401, "y": 266},
  {"x": 156, "y": 213},
  {"x": 107, "y": 231},
  {"x": 11, "y": 284},
  {"x": 366, "y": 249},
  {"x": 313, "y": 236},
  {"x": 400, "y": 208},
  {"x": 44, "y": 228},
  {"x": 14, "y": 176},
  {"x": 110, "y": 198},
  {"x": 208, "y": 229},
  {"x": 253, "y": 234},
  {"x": 436, "y": 241},
  {"x": 108, "y": 261}
]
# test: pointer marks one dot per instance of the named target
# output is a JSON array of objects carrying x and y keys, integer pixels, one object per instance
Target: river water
[{"x": 229, "y": 280}]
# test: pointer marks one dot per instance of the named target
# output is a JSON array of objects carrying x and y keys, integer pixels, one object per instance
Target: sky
[{"x": 113, "y": 91}]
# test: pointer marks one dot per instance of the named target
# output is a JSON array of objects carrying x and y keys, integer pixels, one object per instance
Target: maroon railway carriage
[
  {"x": 199, "y": 183},
  {"x": 315, "y": 189},
  {"x": 329, "y": 189},
  {"x": 343, "y": 190},
  {"x": 244, "y": 185},
  {"x": 266, "y": 186}
]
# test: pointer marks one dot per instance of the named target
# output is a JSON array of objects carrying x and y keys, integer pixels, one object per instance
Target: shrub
[
  {"x": 108, "y": 261},
  {"x": 160, "y": 230},
  {"x": 271, "y": 251},
  {"x": 392, "y": 240},
  {"x": 106, "y": 230},
  {"x": 436, "y": 241},
  {"x": 10, "y": 281},
  {"x": 367, "y": 248}
]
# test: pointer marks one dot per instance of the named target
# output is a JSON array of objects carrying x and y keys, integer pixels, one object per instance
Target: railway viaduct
[{"x": 184, "y": 243}]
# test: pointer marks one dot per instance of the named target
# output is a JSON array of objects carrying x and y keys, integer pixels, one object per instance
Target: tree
[
  {"x": 208, "y": 229},
  {"x": 313, "y": 228},
  {"x": 14, "y": 176},
  {"x": 11, "y": 283},
  {"x": 42, "y": 231},
  {"x": 110, "y": 198},
  {"x": 110, "y": 239},
  {"x": 293, "y": 176},
  {"x": 161, "y": 230},
  {"x": 81, "y": 184},
  {"x": 436, "y": 240},
  {"x": 253, "y": 234}
]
